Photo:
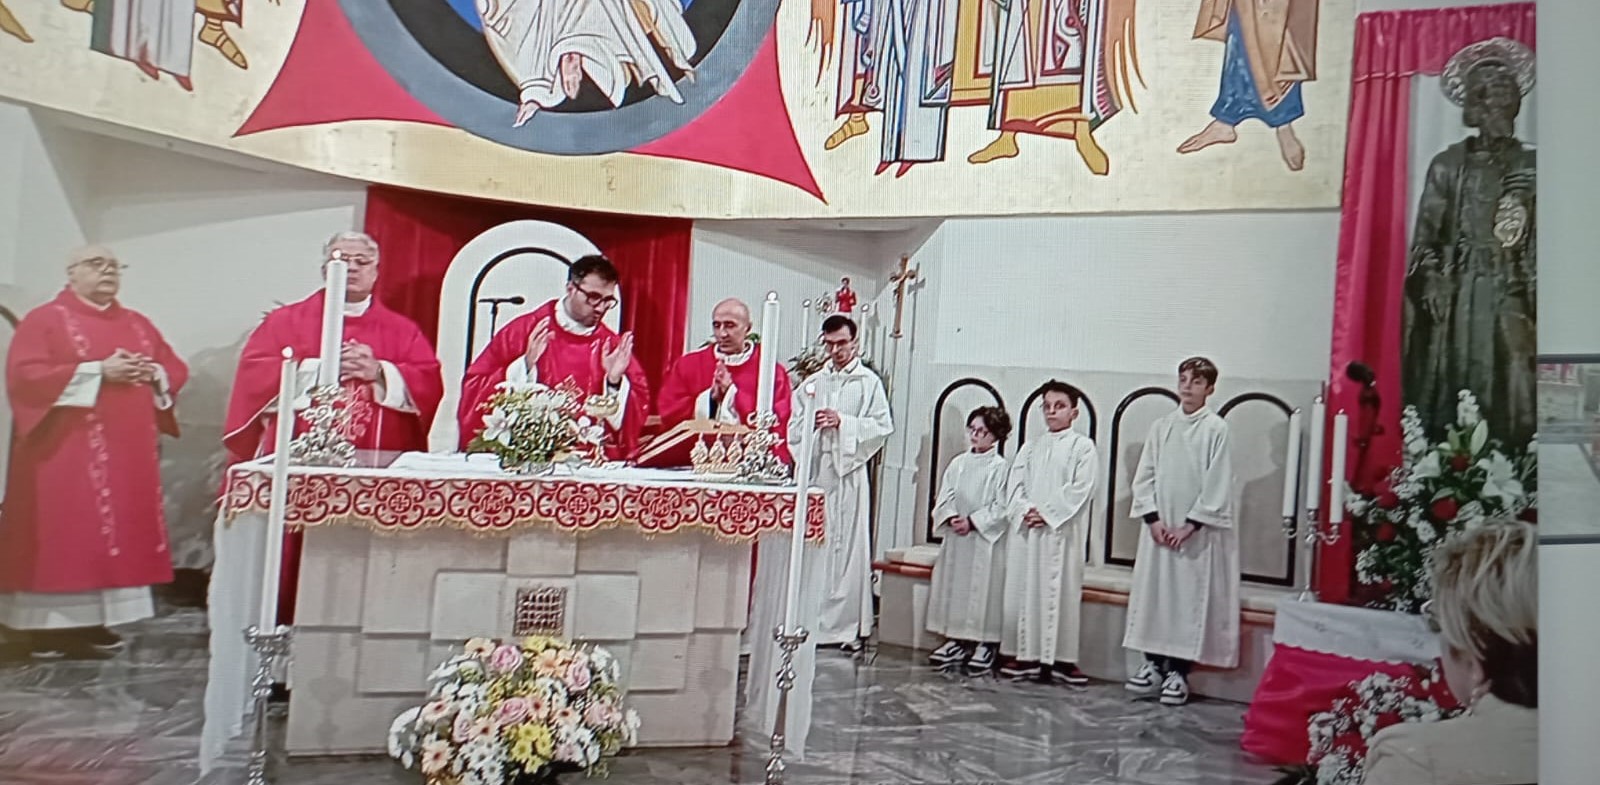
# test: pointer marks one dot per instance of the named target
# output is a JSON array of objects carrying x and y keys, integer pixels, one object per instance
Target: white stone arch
[{"x": 527, "y": 259}]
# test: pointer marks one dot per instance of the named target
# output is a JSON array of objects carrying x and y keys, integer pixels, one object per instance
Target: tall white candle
[
  {"x": 767, "y": 376},
  {"x": 802, "y": 504},
  {"x": 1291, "y": 467},
  {"x": 1341, "y": 440},
  {"x": 332, "y": 321},
  {"x": 805, "y": 327},
  {"x": 1314, "y": 479},
  {"x": 278, "y": 500}
]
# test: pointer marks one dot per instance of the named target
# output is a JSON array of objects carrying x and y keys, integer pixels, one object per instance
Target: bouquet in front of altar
[
  {"x": 531, "y": 427},
  {"x": 516, "y": 712},
  {"x": 1439, "y": 491},
  {"x": 1341, "y": 735}
]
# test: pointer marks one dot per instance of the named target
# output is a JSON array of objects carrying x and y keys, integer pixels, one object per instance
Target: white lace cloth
[{"x": 1357, "y": 633}]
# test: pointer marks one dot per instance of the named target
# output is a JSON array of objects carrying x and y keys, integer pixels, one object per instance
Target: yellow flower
[
  {"x": 533, "y": 644},
  {"x": 521, "y": 753}
]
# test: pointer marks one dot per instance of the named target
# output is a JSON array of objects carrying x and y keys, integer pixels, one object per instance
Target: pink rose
[
  {"x": 512, "y": 711},
  {"x": 505, "y": 659},
  {"x": 600, "y": 715},
  {"x": 577, "y": 677},
  {"x": 463, "y": 728}
]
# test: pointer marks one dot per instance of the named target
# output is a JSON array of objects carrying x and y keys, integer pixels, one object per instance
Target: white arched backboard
[{"x": 526, "y": 259}]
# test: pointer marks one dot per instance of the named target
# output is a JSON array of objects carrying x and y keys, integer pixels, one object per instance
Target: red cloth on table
[
  {"x": 83, "y": 508},
  {"x": 692, "y": 375},
  {"x": 252, "y": 418},
  {"x": 569, "y": 357},
  {"x": 1297, "y": 684}
]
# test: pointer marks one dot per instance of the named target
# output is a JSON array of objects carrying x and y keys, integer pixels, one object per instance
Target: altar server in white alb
[
  {"x": 966, "y": 602},
  {"x": 1049, "y": 490},
  {"x": 852, "y": 423},
  {"x": 1184, "y": 607}
]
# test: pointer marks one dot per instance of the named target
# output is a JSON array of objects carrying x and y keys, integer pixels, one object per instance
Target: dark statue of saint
[{"x": 1469, "y": 307}]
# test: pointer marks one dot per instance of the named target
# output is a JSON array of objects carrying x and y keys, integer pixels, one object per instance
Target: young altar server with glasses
[
  {"x": 1184, "y": 607},
  {"x": 1048, "y": 491},
  {"x": 966, "y": 601}
]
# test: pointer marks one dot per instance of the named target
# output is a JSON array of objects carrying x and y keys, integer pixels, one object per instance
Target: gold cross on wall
[{"x": 906, "y": 274}]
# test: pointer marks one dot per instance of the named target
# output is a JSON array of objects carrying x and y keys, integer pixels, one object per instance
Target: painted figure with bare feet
[{"x": 1270, "y": 50}]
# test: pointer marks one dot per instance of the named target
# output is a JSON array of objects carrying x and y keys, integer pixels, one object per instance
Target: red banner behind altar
[
  {"x": 1391, "y": 47},
  {"x": 421, "y": 234}
]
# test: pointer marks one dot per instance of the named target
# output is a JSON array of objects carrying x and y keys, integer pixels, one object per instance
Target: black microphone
[{"x": 512, "y": 300}]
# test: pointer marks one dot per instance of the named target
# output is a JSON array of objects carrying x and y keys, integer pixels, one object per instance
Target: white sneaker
[
  {"x": 1146, "y": 682},
  {"x": 948, "y": 654},
  {"x": 1175, "y": 690}
]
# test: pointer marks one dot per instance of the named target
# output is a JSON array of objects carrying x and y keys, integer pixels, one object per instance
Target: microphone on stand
[{"x": 494, "y": 307}]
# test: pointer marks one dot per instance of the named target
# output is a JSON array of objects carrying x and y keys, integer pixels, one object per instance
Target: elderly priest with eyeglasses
[
  {"x": 564, "y": 342},
  {"x": 83, "y": 534}
]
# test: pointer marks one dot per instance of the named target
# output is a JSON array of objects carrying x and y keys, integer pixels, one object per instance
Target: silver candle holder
[
  {"x": 788, "y": 643},
  {"x": 270, "y": 646},
  {"x": 760, "y": 464},
  {"x": 324, "y": 444}
]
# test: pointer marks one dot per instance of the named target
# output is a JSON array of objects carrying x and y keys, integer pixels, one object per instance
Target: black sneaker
[
  {"x": 1069, "y": 675},
  {"x": 102, "y": 639},
  {"x": 983, "y": 660},
  {"x": 1021, "y": 671},
  {"x": 951, "y": 653}
]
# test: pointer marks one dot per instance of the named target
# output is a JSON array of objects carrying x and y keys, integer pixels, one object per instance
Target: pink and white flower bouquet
[{"x": 516, "y": 711}]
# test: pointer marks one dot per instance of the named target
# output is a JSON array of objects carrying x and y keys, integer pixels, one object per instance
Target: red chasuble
[
  {"x": 83, "y": 508},
  {"x": 252, "y": 419},
  {"x": 569, "y": 357},
  {"x": 692, "y": 375},
  {"x": 393, "y": 338}
]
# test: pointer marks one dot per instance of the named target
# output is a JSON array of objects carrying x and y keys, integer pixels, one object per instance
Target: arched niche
[
  {"x": 1089, "y": 421},
  {"x": 1113, "y": 463},
  {"x": 1260, "y": 500},
  {"x": 526, "y": 259},
  {"x": 936, "y": 451}
]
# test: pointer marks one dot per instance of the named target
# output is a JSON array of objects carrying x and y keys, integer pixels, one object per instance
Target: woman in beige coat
[{"x": 1486, "y": 612}]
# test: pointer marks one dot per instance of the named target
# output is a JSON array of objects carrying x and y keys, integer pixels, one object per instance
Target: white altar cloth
[{"x": 1354, "y": 633}]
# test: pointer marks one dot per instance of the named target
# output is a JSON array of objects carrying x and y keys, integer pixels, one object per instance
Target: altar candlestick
[
  {"x": 767, "y": 375},
  {"x": 278, "y": 500},
  {"x": 805, "y": 327},
  {"x": 802, "y": 506},
  {"x": 1319, "y": 417},
  {"x": 1341, "y": 439},
  {"x": 1291, "y": 468},
  {"x": 333, "y": 321}
]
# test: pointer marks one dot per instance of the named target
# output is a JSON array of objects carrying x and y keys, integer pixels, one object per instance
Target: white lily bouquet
[{"x": 531, "y": 427}]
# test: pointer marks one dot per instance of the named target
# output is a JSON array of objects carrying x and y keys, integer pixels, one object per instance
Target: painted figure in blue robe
[{"x": 1270, "y": 49}]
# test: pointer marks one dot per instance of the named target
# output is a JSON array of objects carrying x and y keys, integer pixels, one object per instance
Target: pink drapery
[{"x": 1391, "y": 47}]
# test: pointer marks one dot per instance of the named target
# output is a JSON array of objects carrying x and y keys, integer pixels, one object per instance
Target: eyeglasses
[
  {"x": 103, "y": 265},
  {"x": 1431, "y": 618},
  {"x": 977, "y": 430},
  {"x": 835, "y": 343},
  {"x": 598, "y": 301}
]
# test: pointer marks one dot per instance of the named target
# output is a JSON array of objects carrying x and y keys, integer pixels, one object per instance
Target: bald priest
[
  {"x": 83, "y": 534},
  {"x": 718, "y": 381}
]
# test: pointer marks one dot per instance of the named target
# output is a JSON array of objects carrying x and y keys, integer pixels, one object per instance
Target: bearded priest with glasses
[{"x": 565, "y": 341}]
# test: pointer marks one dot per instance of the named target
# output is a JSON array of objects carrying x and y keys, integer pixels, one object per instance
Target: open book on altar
[{"x": 671, "y": 449}]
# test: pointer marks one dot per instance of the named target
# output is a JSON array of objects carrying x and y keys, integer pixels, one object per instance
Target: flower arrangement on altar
[
  {"x": 1438, "y": 491},
  {"x": 531, "y": 427},
  {"x": 516, "y": 712},
  {"x": 1340, "y": 736}
]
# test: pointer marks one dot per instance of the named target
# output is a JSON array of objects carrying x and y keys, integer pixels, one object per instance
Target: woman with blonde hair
[{"x": 1485, "y": 609}]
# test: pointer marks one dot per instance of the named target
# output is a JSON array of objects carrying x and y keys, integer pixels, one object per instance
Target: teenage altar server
[
  {"x": 852, "y": 424},
  {"x": 965, "y": 604},
  {"x": 1050, "y": 487},
  {"x": 1184, "y": 607}
]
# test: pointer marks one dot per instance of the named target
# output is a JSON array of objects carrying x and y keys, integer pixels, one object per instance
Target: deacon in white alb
[
  {"x": 852, "y": 423},
  {"x": 966, "y": 602},
  {"x": 1185, "y": 602},
  {"x": 1050, "y": 487}
]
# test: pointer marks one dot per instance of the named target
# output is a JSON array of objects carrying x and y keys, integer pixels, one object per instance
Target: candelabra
[
  {"x": 760, "y": 462},
  {"x": 325, "y": 443},
  {"x": 788, "y": 644},
  {"x": 1317, "y": 533},
  {"x": 270, "y": 646}
]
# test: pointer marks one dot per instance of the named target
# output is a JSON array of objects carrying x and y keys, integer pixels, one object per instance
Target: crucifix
[{"x": 905, "y": 275}]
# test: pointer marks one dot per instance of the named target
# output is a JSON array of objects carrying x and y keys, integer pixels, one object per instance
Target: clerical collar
[
  {"x": 567, "y": 322},
  {"x": 739, "y": 358},
  {"x": 357, "y": 309}
]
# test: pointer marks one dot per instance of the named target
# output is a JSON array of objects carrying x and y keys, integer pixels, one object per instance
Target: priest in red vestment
[
  {"x": 564, "y": 341},
  {"x": 387, "y": 365},
  {"x": 83, "y": 534},
  {"x": 718, "y": 382}
]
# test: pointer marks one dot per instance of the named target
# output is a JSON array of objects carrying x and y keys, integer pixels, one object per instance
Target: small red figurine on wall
[{"x": 845, "y": 298}]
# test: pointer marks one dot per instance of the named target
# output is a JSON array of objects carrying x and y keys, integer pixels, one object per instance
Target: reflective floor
[{"x": 136, "y": 720}]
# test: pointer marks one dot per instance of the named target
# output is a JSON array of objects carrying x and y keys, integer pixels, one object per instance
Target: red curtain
[
  {"x": 1391, "y": 47},
  {"x": 420, "y": 234}
]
